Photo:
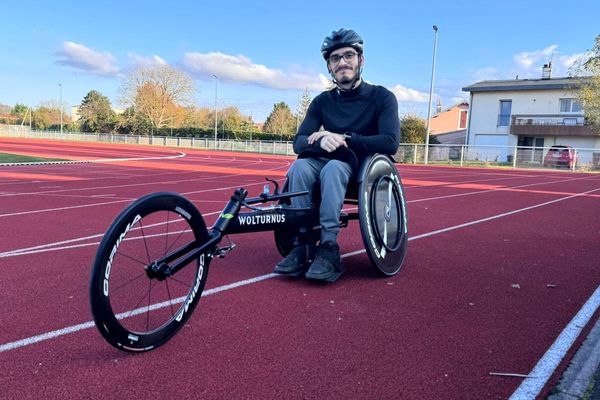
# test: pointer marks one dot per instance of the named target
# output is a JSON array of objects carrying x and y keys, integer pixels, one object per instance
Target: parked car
[{"x": 560, "y": 156}]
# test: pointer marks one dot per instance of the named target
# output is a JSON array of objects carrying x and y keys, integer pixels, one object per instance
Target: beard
[{"x": 346, "y": 77}]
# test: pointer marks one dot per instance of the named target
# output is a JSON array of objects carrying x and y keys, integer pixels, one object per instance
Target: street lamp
[
  {"x": 216, "y": 82},
  {"x": 61, "y": 109},
  {"x": 435, "y": 29}
]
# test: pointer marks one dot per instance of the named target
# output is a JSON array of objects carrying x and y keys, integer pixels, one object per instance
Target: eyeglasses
[{"x": 347, "y": 56}]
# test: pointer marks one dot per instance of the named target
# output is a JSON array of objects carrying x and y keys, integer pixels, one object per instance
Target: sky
[{"x": 264, "y": 52}]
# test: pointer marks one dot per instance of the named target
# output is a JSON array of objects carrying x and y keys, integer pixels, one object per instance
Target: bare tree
[{"x": 156, "y": 92}]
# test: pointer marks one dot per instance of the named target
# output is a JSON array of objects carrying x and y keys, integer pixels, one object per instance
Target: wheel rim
[
  {"x": 387, "y": 216},
  {"x": 133, "y": 310},
  {"x": 144, "y": 305}
]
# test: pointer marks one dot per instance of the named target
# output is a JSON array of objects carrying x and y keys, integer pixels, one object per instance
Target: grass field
[{"x": 16, "y": 158}]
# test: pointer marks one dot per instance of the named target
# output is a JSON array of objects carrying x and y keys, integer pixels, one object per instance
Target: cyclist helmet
[{"x": 341, "y": 38}]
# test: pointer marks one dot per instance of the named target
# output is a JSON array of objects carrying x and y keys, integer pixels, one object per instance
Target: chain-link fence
[{"x": 555, "y": 157}]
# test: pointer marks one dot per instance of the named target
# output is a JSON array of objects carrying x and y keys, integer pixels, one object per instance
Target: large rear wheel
[{"x": 383, "y": 215}]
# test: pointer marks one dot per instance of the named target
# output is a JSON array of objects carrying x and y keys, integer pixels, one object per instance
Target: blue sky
[{"x": 268, "y": 51}]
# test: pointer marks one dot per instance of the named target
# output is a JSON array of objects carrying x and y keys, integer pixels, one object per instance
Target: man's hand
[{"x": 329, "y": 141}]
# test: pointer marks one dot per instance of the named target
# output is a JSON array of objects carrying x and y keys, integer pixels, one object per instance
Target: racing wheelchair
[{"x": 152, "y": 263}]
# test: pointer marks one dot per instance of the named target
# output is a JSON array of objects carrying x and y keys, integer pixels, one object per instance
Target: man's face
[{"x": 344, "y": 63}]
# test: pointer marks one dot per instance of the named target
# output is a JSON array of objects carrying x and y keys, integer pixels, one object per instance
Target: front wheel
[{"x": 133, "y": 309}]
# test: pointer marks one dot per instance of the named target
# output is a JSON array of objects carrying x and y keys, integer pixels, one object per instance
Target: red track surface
[{"x": 488, "y": 297}]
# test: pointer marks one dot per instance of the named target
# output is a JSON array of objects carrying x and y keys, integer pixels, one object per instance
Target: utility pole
[
  {"x": 435, "y": 29},
  {"x": 216, "y": 87},
  {"x": 61, "y": 109}
]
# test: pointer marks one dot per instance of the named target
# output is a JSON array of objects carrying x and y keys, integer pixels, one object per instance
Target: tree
[
  {"x": 155, "y": 92},
  {"x": 413, "y": 129},
  {"x": 43, "y": 117},
  {"x": 588, "y": 90},
  {"x": 305, "y": 100},
  {"x": 281, "y": 121},
  {"x": 19, "y": 109},
  {"x": 96, "y": 114},
  {"x": 130, "y": 122}
]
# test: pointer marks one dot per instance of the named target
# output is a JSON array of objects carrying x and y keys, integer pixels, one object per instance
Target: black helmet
[{"x": 341, "y": 38}]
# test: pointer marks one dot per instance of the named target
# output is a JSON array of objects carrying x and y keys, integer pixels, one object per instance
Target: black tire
[
  {"x": 382, "y": 214},
  {"x": 284, "y": 240},
  {"x": 132, "y": 311}
]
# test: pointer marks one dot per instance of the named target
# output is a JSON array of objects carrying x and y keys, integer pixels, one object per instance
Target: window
[
  {"x": 570, "y": 106},
  {"x": 463, "y": 119},
  {"x": 504, "y": 117}
]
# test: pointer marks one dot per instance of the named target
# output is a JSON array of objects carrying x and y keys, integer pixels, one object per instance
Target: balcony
[{"x": 549, "y": 125}]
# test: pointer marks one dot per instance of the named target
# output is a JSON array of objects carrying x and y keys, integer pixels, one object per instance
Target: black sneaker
[
  {"x": 297, "y": 261},
  {"x": 327, "y": 265}
]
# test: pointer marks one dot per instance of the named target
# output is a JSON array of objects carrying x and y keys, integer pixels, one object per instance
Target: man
[{"x": 357, "y": 119}]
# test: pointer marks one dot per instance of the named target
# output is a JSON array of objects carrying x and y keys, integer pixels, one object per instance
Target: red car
[{"x": 560, "y": 156}]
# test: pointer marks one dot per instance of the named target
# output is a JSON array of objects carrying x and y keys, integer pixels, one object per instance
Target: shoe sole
[
  {"x": 329, "y": 277},
  {"x": 294, "y": 274}
]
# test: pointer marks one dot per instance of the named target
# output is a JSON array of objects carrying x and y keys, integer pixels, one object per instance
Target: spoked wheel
[
  {"x": 382, "y": 214},
  {"x": 134, "y": 308}
]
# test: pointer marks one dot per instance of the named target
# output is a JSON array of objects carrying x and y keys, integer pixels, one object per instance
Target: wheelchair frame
[{"x": 381, "y": 213}]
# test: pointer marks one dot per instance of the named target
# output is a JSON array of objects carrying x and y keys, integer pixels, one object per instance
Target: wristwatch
[{"x": 347, "y": 136}]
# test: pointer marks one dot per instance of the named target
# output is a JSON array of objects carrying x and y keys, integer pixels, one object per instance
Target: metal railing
[
  {"x": 546, "y": 120},
  {"x": 583, "y": 159},
  {"x": 576, "y": 159}
]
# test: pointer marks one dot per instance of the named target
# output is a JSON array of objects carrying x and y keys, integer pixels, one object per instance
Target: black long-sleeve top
[{"x": 369, "y": 114}]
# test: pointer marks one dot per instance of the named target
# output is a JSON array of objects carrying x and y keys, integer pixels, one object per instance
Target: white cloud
[
  {"x": 87, "y": 60},
  {"x": 528, "y": 65},
  {"x": 528, "y": 60},
  {"x": 241, "y": 69},
  {"x": 146, "y": 61},
  {"x": 405, "y": 94}
]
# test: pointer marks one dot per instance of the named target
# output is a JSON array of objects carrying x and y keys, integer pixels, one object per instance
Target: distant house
[
  {"x": 536, "y": 113},
  {"x": 8, "y": 118},
  {"x": 450, "y": 125}
]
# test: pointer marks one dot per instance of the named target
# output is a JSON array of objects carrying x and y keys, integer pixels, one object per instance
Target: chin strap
[{"x": 355, "y": 84}]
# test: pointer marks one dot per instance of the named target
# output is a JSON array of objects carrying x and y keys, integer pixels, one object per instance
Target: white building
[{"x": 536, "y": 113}]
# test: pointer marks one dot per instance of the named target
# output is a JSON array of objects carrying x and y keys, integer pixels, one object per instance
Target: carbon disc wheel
[{"x": 382, "y": 215}]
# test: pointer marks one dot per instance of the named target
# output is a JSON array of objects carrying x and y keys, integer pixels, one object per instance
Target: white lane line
[
  {"x": 113, "y": 202},
  {"x": 86, "y": 325},
  {"x": 89, "y": 324},
  {"x": 106, "y": 160},
  {"x": 531, "y": 387},
  {"x": 26, "y": 250}
]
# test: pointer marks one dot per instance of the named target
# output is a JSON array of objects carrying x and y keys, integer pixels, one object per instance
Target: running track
[{"x": 500, "y": 263}]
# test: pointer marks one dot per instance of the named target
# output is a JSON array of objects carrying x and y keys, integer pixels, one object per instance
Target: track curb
[{"x": 583, "y": 370}]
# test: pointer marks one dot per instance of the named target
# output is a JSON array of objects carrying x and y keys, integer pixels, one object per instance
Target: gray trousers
[{"x": 333, "y": 177}]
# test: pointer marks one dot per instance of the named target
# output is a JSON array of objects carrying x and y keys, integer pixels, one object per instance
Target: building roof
[
  {"x": 454, "y": 137},
  {"x": 524, "y": 84}
]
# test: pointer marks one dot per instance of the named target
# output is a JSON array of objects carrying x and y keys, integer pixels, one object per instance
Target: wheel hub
[{"x": 157, "y": 270}]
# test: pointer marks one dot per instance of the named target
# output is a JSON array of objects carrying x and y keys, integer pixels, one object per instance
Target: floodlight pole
[
  {"x": 216, "y": 83},
  {"x": 435, "y": 29},
  {"x": 61, "y": 109}
]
